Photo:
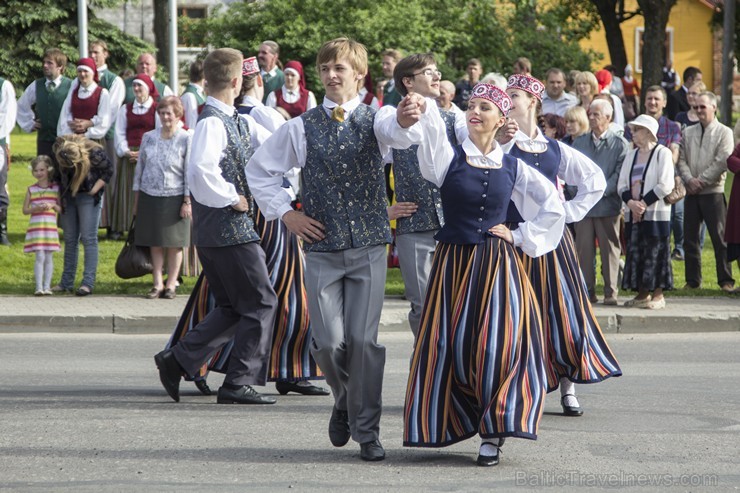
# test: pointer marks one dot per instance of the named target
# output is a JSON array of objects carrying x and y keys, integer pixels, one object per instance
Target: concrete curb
[{"x": 134, "y": 315}]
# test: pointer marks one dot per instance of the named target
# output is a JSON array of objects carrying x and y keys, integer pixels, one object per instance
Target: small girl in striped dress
[{"x": 42, "y": 237}]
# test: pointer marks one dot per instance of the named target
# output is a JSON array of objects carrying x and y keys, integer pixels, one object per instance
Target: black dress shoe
[
  {"x": 570, "y": 410},
  {"x": 372, "y": 451},
  {"x": 170, "y": 373},
  {"x": 202, "y": 385},
  {"x": 243, "y": 395},
  {"x": 339, "y": 427},
  {"x": 284, "y": 387}
]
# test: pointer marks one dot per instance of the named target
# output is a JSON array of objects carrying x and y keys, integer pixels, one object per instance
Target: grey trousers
[
  {"x": 712, "y": 209},
  {"x": 606, "y": 230},
  {"x": 415, "y": 255},
  {"x": 245, "y": 311},
  {"x": 345, "y": 293}
]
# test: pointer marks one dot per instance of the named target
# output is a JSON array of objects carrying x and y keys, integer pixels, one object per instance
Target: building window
[{"x": 189, "y": 17}]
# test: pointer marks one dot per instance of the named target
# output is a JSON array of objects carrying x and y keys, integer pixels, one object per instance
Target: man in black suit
[{"x": 678, "y": 101}]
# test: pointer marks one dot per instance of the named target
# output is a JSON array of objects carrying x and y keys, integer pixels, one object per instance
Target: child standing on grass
[{"x": 42, "y": 237}]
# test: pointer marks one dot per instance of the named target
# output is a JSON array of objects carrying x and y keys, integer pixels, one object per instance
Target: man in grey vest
[
  {"x": 418, "y": 211},
  {"x": 228, "y": 247},
  {"x": 8, "y": 110},
  {"x": 41, "y": 103},
  {"x": 344, "y": 224}
]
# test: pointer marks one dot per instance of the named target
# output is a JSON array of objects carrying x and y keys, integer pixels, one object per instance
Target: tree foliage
[
  {"x": 29, "y": 27},
  {"x": 496, "y": 32}
]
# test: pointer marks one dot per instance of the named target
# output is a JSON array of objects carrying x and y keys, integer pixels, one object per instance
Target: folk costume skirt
[
  {"x": 477, "y": 366},
  {"x": 122, "y": 207},
  {"x": 290, "y": 358},
  {"x": 575, "y": 347}
]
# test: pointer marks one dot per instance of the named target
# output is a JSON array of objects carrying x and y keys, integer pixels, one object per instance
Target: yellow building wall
[{"x": 692, "y": 38}]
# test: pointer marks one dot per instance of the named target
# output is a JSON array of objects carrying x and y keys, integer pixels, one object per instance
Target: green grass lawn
[{"x": 16, "y": 268}]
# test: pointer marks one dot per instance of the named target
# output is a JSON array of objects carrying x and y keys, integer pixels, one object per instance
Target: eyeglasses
[
  {"x": 699, "y": 107},
  {"x": 429, "y": 73}
]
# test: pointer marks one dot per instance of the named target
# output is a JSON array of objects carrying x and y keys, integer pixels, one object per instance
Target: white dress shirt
[
  {"x": 287, "y": 149},
  {"x": 291, "y": 97},
  {"x": 558, "y": 106},
  {"x": 119, "y": 139},
  {"x": 101, "y": 120},
  {"x": 26, "y": 117},
  {"x": 264, "y": 115},
  {"x": 117, "y": 93},
  {"x": 8, "y": 113},
  {"x": 574, "y": 169},
  {"x": 534, "y": 195},
  {"x": 207, "y": 184},
  {"x": 190, "y": 105}
]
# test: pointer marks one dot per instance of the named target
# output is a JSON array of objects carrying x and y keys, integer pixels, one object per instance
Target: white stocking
[
  {"x": 38, "y": 269},
  {"x": 568, "y": 388},
  {"x": 48, "y": 270}
]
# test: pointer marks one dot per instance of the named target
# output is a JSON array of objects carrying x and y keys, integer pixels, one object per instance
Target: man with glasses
[
  {"x": 418, "y": 210},
  {"x": 702, "y": 164}
]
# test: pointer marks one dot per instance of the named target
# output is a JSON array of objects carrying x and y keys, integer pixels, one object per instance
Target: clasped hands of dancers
[{"x": 505, "y": 318}]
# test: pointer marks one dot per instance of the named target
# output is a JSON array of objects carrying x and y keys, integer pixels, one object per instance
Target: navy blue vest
[
  {"x": 547, "y": 163},
  {"x": 226, "y": 226},
  {"x": 343, "y": 181},
  {"x": 410, "y": 186},
  {"x": 475, "y": 199}
]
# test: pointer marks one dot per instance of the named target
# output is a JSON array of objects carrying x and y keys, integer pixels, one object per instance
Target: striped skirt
[
  {"x": 477, "y": 366},
  {"x": 190, "y": 262},
  {"x": 575, "y": 346},
  {"x": 290, "y": 358},
  {"x": 121, "y": 207}
]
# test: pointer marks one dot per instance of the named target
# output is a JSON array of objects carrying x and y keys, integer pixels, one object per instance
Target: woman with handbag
[
  {"x": 85, "y": 169},
  {"x": 645, "y": 180},
  {"x": 161, "y": 196}
]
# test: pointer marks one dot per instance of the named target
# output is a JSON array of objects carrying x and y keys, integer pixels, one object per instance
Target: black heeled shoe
[
  {"x": 202, "y": 385},
  {"x": 570, "y": 410}
]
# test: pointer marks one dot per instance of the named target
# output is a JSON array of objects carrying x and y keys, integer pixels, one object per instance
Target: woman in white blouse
[
  {"x": 162, "y": 198},
  {"x": 645, "y": 179},
  {"x": 133, "y": 121},
  {"x": 86, "y": 110},
  {"x": 477, "y": 362},
  {"x": 575, "y": 348},
  {"x": 293, "y": 97}
]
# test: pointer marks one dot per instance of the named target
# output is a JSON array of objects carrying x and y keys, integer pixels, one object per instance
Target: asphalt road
[{"x": 85, "y": 412}]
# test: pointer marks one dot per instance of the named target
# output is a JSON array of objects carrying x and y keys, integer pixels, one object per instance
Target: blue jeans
[{"x": 80, "y": 223}]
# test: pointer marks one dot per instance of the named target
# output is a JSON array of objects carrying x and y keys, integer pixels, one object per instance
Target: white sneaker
[{"x": 656, "y": 304}]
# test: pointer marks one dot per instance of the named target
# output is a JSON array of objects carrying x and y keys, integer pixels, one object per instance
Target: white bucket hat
[{"x": 647, "y": 122}]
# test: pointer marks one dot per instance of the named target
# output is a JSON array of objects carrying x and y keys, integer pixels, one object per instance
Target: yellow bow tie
[{"x": 337, "y": 114}]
